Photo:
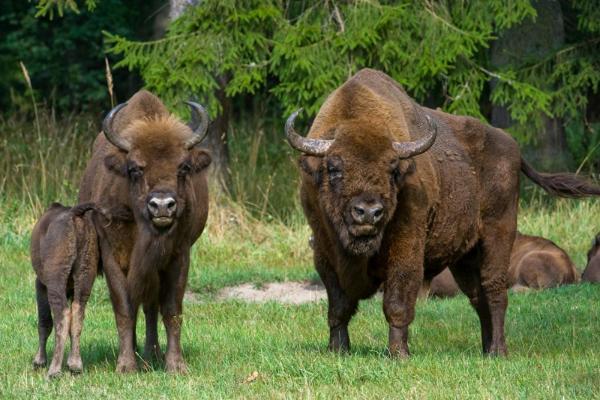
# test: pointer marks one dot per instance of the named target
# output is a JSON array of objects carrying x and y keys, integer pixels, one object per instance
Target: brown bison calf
[
  {"x": 592, "y": 270},
  {"x": 535, "y": 263},
  {"x": 64, "y": 255}
]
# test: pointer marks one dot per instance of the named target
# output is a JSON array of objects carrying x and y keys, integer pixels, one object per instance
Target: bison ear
[
  {"x": 199, "y": 159},
  {"x": 405, "y": 169},
  {"x": 116, "y": 163},
  {"x": 312, "y": 167}
]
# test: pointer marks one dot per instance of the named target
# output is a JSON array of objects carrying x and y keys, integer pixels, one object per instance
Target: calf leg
[
  {"x": 62, "y": 322},
  {"x": 340, "y": 307},
  {"x": 80, "y": 298},
  {"x": 151, "y": 347},
  {"x": 44, "y": 323}
]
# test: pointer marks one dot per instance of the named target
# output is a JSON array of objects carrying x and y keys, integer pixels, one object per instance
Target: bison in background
[
  {"x": 149, "y": 161},
  {"x": 535, "y": 263},
  {"x": 592, "y": 270},
  {"x": 539, "y": 263},
  {"x": 394, "y": 191}
]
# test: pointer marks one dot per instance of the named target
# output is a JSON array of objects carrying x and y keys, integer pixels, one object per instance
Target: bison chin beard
[{"x": 363, "y": 245}]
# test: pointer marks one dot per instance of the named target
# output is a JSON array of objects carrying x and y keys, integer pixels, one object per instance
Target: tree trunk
[{"x": 532, "y": 41}]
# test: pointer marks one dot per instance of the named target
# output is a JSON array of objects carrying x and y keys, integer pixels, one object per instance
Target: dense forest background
[{"x": 530, "y": 67}]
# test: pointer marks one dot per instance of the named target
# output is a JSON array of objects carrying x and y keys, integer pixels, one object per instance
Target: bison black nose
[
  {"x": 161, "y": 205},
  {"x": 367, "y": 212}
]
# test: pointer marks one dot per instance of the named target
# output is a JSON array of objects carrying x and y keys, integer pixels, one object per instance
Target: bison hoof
[
  {"x": 75, "y": 365},
  {"x": 39, "y": 362},
  {"x": 176, "y": 366},
  {"x": 496, "y": 351},
  {"x": 339, "y": 340},
  {"x": 53, "y": 373},
  {"x": 337, "y": 347},
  {"x": 126, "y": 364},
  {"x": 398, "y": 353}
]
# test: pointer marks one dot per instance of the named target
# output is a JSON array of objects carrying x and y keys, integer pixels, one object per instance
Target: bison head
[
  {"x": 358, "y": 175},
  {"x": 157, "y": 155}
]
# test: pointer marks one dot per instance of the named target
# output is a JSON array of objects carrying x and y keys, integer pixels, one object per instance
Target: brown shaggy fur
[
  {"x": 592, "y": 270},
  {"x": 454, "y": 205},
  {"x": 538, "y": 263},
  {"x": 64, "y": 255},
  {"x": 145, "y": 264},
  {"x": 535, "y": 263}
]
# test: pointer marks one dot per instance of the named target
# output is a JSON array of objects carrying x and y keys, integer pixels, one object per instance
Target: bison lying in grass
[
  {"x": 394, "y": 191},
  {"x": 148, "y": 161},
  {"x": 64, "y": 255},
  {"x": 535, "y": 263},
  {"x": 592, "y": 270}
]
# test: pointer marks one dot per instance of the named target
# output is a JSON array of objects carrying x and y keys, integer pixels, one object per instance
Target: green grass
[{"x": 552, "y": 335}]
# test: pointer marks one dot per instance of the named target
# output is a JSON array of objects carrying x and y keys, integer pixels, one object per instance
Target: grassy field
[{"x": 552, "y": 335}]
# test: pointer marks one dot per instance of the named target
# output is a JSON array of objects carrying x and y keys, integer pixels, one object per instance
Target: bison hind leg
[{"x": 44, "y": 323}]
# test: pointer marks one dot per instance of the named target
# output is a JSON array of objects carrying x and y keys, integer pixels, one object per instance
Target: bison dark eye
[
  {"x": 334, "y": 173},
  {"x": 184, "y": 169},
  {"x": 135, "y": 172},
  {"x": 396, "y": 175}
]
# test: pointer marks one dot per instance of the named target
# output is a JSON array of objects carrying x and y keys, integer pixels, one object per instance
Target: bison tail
[
  {"x": 560, "y": 184},
  {"x": 80, "y": 209}
]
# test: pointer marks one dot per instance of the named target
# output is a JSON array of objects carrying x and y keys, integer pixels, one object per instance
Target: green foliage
[
  {"x": 202, "y": 52},
  {"x": 47, "y": 7},
  {"x": 310, "y": 48},
  {"x": 64, "y": 56}
]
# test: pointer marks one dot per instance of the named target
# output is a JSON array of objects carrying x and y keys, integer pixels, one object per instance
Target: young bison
[
  {"x": 535, "y": 263},
  {"x": 64, "y": 255},
  {"x": 592, "y": 270}
]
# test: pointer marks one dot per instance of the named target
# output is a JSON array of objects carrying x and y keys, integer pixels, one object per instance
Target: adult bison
[
  {"x": 592, "y": 270},
  {"x": 149, "y": 161},
  {"x": 384, "y": 209},
  {"x": 539, "y": 263},
  {"x": 535, "y": 263}
]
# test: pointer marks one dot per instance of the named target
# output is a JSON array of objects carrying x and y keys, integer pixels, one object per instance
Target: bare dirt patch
[{"x": 281, "y": 292}]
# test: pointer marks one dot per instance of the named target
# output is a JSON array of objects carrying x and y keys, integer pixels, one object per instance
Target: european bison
[
  {"x": 64, "y": 255},
  {"x": 539, "y": 263},
  {"x": 149, "y": 161},
  {"x": 384, "y": 209},
  {"x": 592, "y": 270},
  {"x": 535, "y": 263},
  {"x": 442, "y": 285}
]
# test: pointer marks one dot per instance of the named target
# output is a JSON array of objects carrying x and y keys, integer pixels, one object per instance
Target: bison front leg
[
  {"x": 151, "y": 346},
  {"x": 401, "y": 288},
  {"x": 340, "y": 309},
  {"x": 124, "y": 314},
  {"x": 171, "y": 307}
]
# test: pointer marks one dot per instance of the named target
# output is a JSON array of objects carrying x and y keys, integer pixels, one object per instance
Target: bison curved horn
[
  {"x": 111, "y": 135},
  {"x": 313, "y": 147},
  {"x": 198, "y": 125},
  {"x": 410, "y": 149}
]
